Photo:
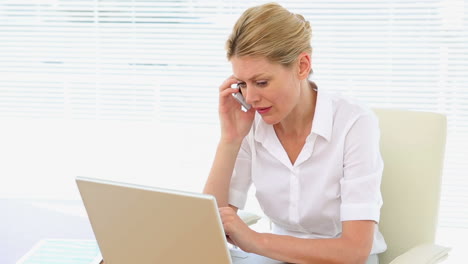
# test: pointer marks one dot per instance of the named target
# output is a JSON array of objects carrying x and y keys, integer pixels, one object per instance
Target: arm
[
  {"x": 352, "y": 247},
  {"x": 235, "y": 125},
  {"x": 219, "y": 178}
]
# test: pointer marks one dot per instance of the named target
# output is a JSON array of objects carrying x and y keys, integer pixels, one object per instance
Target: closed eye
[{"x": 262, "y": 83}]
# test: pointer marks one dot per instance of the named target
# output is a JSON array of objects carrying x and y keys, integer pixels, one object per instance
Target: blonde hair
[{"x": 271, "y": 31}]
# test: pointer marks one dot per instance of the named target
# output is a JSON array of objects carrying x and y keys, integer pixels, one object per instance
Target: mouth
[{"x": 262, "y": 110}]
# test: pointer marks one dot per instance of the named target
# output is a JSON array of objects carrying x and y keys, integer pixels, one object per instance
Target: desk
[{"x": 24, "y": 222}]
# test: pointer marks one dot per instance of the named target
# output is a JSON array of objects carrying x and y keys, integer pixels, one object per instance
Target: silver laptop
[{"x": 147, "y": 225}]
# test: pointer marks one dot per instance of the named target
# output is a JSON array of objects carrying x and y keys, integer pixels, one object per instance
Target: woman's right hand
[{"x": 235, "y": 123}]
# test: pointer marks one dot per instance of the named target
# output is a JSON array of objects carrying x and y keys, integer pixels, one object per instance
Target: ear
[{"x": 304, "y": 65}]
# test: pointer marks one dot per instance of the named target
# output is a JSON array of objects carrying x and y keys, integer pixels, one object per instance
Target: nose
[{"x": 251, "y": 95}]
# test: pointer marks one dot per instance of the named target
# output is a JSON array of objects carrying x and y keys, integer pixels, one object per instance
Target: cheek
[
  {"x": 278, "y": 97},
  {"x": 287, "y": 94}
]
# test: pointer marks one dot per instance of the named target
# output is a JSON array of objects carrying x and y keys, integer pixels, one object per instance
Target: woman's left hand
[{"x": 237, "y": 232}]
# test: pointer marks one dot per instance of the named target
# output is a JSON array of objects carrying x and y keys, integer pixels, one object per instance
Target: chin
[{"x": 270, "y": 120}]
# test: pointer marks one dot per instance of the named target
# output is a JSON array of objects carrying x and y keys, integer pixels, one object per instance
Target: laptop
[{"x": 148, "y": 225}]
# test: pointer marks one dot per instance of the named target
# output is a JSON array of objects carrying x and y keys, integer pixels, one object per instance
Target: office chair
[{"x": 412, "y": 147}]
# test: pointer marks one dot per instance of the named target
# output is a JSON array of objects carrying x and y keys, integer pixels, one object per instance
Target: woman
[{"x": 313, "y": 157}]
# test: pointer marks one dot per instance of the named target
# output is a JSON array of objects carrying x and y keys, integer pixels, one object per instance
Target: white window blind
[{"x": 160, "y": 62}]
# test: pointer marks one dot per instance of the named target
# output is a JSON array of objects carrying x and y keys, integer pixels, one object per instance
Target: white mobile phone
[{"x": 240, "y": 98}]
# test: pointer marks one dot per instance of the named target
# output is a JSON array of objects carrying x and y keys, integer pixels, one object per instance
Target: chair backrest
[{"x": 412, "y": 146}]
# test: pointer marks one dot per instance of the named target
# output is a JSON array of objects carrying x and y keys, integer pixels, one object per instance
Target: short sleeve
[
  {"x": 361, "y": 198},
  {"x": 241, "y": 178}
]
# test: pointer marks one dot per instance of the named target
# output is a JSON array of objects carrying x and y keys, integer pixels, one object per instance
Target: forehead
[{"x": 250, "y": 67}]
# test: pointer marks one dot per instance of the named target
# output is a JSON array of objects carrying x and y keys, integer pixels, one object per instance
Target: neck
[{"x": 299, "y": 121}]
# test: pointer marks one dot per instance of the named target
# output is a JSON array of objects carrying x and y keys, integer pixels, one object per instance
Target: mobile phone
[{"x": 240, "y": 98}]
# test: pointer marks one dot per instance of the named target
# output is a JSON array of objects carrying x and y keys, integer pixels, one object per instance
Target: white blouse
[{"x": 335, "y": 178}]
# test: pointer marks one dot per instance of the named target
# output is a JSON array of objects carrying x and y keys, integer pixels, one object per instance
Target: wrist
[
  {"x": 233, "y": 142},
  {"x": 258, "y": 240}
]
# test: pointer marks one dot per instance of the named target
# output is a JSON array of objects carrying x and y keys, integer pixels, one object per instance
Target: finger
[
  {"x": 227, "y": 228},
  {"x": 225, "y": 209},
  {"x": 228, "y": 91},
  {"x": 226, "y": 216},
  {"x": 230, "y": 241},
  {"x": 222, "y": 211},
  {"x": 228, "y": 82}
]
